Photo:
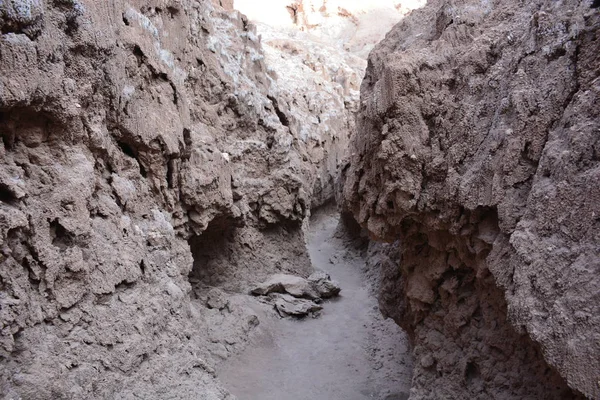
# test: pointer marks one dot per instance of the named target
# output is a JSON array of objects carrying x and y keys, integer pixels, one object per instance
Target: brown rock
[
  {"x": 475, "y": 148},
  {"x": 140, "y": 151}
]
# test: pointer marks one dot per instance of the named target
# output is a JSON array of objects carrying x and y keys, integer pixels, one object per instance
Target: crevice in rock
[
  {"x": 208, "y": 249},
  {"x": 131, "y": 152},
  {"x": 6, "y": 195},
  {"x": 61, "y": 237},
  {"x": 280, "y": 114},
  {"x": 172, "y": 173},
  {"x": 26, "y": 125}
]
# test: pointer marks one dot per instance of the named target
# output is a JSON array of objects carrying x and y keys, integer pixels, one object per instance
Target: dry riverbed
[{"x": 349, "y": 352}]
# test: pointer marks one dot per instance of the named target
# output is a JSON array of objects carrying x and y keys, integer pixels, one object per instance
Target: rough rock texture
[
  {"x": 323, "y": 285},
  {"x": 142, "y": 149},
  {"x": 282, "y": 283},
  {"x": 354, "y": 26},
  {"x": 318, "y": 285},
  {"x": 315, "y": 52},
  {"x": 317, "y": 91},
  {"x": 478, "y": 149},
  {"x": 287, "y": 305}
]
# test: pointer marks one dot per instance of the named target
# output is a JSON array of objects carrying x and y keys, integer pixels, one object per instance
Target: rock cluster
[
  {"x": 295, "y": 296},
  {"x": 477, "y": 157}
]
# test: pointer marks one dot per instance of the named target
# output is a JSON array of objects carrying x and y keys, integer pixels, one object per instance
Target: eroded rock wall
[
  {"x": 142, "y": 153},
  {"x": 477, "y": 155},
  {"x": 315, "y": 52}
]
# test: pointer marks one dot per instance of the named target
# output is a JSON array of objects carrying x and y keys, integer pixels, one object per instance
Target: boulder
[
  {"x": 322, "y": 284},
  {"x": 318, "y": 286},
  {"x": 283, "y": 283},
  {"x": 287, "y": 305}
]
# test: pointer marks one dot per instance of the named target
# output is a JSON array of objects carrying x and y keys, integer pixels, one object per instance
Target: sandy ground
[{"x": 348, "y": 353}]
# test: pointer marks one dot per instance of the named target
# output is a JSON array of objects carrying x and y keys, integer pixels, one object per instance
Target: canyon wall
[
  {"x": 477, "y": 158},
  {"x": 315, "y": 52},
  {"x": 146, "y": 155}
]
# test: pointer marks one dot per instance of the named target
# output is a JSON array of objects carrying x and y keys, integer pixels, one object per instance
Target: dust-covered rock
[
  {"x": 318, "y": 285},
  {"x": 282, "y": 283},
  {"x": 216, "y": 298},
  {"x": 287, "y": 305},
  {"x": 321, "y": 282}
]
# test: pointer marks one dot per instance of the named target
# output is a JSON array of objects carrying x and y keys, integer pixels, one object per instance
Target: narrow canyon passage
[{"x": 349, "y": 352}]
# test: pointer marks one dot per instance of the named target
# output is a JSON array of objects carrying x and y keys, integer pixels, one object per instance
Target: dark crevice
[
  {"x": 127, "y": 149},
  {"x": 171, "y": 172},
  {"x": 32, "y": 30},
  {"x": 173, "y": 11},
  {"x": 209, "y": 249},
  {"x": 124, "y": 285},
  {"x": 139, "y": 55},
  {"x": 471, "y": 372},
  {"x": 187, "y": 137},
  {"x": 280, "y": 114},
  {"x": 556, "y": 54},
  {"x": 6, "y": 195},
  {"x": 270, "y": 141},
  {"x": 132, "y": 153},
  {"x": 175, "y": 95},
  {"x": 61, "y": 237}
]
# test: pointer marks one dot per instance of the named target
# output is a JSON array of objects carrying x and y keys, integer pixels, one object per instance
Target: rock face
[
  {"x": 316, "y": 52},
  {"x": 144, "y": 150},
  {"x": 478, "y": 150}
]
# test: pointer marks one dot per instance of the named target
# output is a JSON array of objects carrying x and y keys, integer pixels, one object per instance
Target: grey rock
[
  {"x": 323, "y": 285},
  {"x": 21, "y": 16},
  {"x": 287, "y": 305},
  {"x": 318, "y": 286},
  {"x": 217, "y": 299},
  {"x": 283, "y": 283}
]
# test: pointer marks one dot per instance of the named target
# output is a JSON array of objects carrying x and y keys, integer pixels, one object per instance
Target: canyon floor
[{"x": 349, "y": 352}]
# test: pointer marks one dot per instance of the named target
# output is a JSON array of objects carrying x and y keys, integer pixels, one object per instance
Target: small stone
[
  {"x": 216, "y": 299},
  {"x": 427, "y": 361},
  {"x": 323, "y": 285}
]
